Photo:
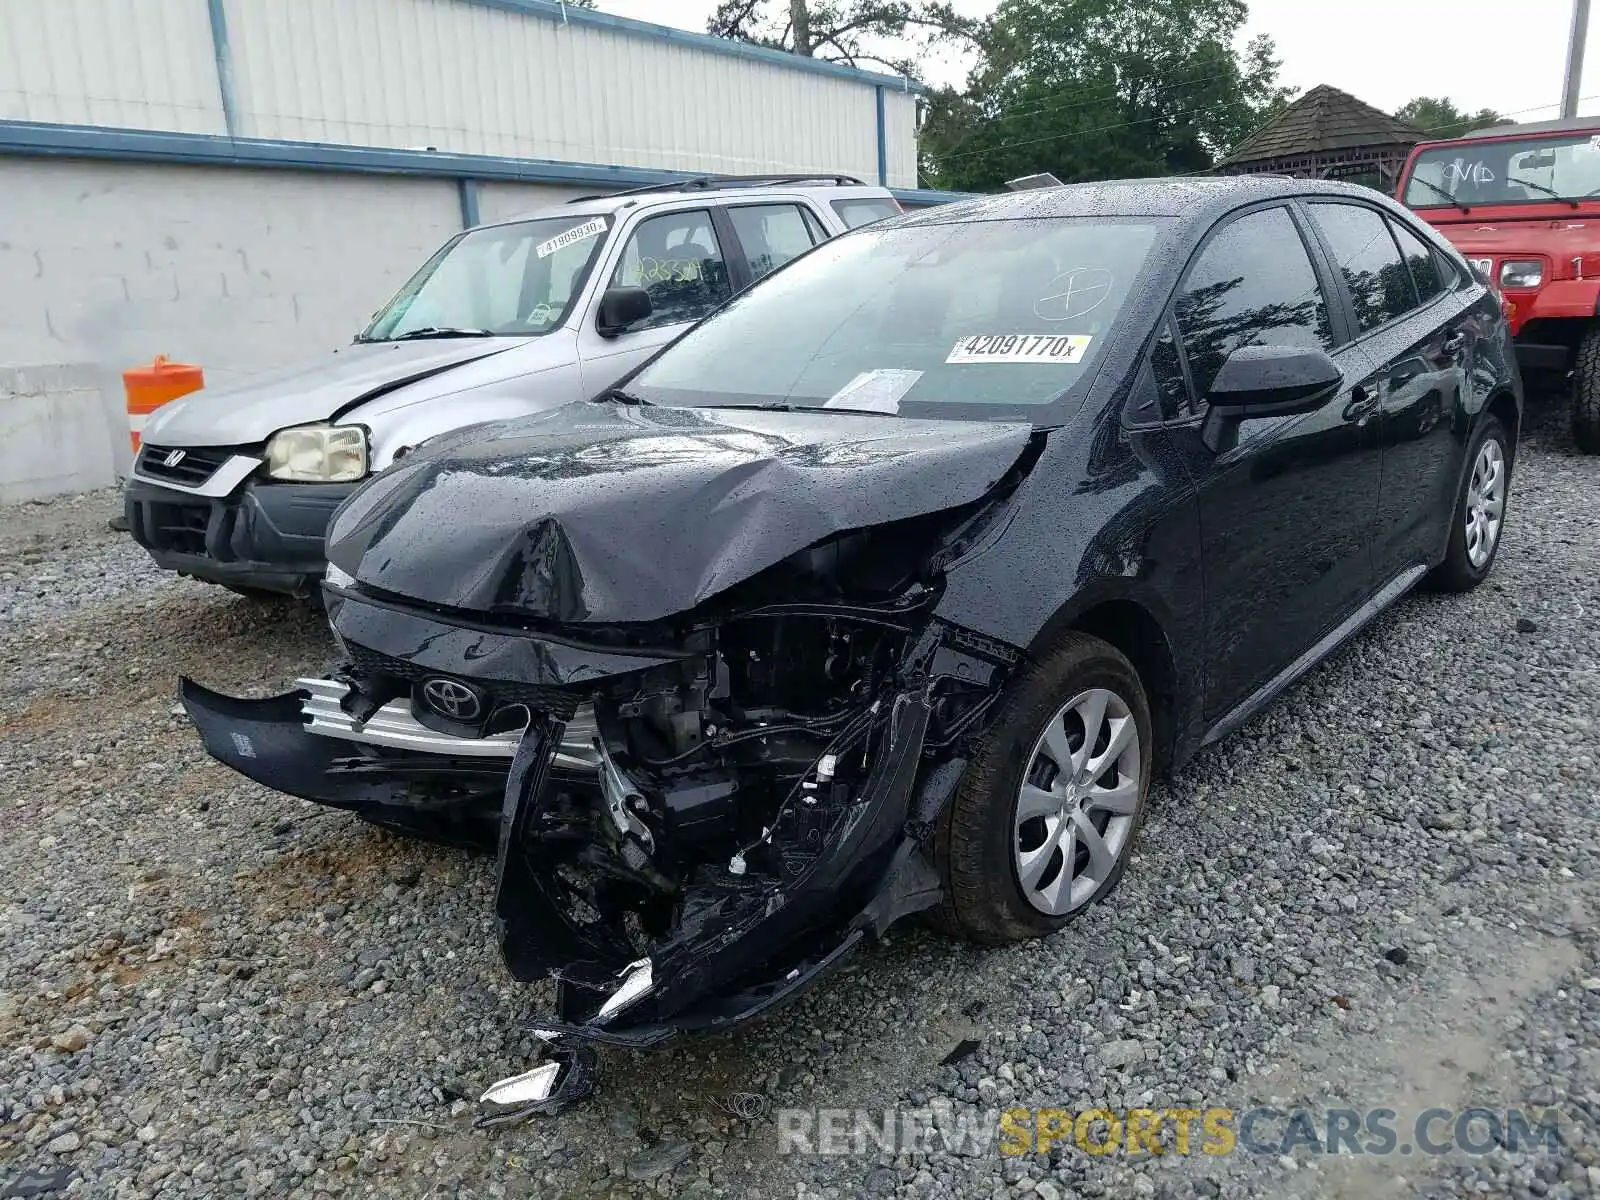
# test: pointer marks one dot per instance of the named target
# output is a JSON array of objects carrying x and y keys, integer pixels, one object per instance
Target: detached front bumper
[
  {"x": 657, "y": 904},
  {"x": 263, "y": 535}
]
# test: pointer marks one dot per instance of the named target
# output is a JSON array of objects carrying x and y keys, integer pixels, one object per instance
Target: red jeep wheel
[{"x": 1586, "y": 393}]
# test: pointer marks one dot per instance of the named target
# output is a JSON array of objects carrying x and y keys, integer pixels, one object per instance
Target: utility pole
[{"x": 1580, "y": 33}]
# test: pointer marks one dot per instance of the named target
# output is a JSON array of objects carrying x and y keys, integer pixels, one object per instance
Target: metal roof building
[
  {"x": 240, "y": 183},
  {"x": 1327, "y": 134},
  {"x": 565, "y": 94}
]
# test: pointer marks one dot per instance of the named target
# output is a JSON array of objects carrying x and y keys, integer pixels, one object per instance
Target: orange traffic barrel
[{"x": 148, "y": 388}]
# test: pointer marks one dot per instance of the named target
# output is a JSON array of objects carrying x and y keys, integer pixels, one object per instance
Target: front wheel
[
  {"x": 1045, "y": 818},
  {"x": 1586, "y": 393},
  {"x": 1479, "y": 514}
]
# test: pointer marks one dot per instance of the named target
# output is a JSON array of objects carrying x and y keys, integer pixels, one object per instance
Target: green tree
[
  {"x": 1099, "y": 89},
  {"x": 1438, "y": 117},
  {"x": 889, "y": 33}
]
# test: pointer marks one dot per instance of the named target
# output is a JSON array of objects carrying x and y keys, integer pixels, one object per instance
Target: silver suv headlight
[
  {"x": 1521, "y": 273},
  {"x": 318, "y": 454}
]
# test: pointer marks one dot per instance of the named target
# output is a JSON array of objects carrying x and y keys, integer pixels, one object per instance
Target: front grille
[
  {"x": 193, "y": 468},
  {"x": 560, "y": 703},
  {"x": 178, "y": 528}
]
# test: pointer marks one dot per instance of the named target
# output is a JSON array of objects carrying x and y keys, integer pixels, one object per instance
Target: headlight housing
[
  {"x": 318, "y": 454},
  {"x": 1521, "y": 273}
]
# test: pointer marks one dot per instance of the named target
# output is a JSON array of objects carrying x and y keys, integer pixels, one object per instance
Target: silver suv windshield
[
  {"x": 982, "y": 320},
  {"x": 517, "y": 280}
]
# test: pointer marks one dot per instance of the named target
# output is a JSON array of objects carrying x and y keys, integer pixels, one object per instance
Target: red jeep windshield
[{"x": 1524, "y": 171}]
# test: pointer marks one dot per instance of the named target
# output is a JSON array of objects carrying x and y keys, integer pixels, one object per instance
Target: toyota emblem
[
  {"x": 451, "y": 699},
  {"x": 173, "y": 458}
]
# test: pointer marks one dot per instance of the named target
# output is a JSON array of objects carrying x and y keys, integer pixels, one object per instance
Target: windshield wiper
[
  {"x": 807, "y": 408},
  {"x": 1547, "y": 191},
  {"x": 624, "y": 397},
  {"x": 1433, "y": 187},
  {"x": 437, "y": 331}
]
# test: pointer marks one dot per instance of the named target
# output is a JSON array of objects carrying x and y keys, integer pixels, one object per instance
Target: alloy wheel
[
  {"x": 1486, "y": 502},
  {"x": 1075, "y": 810}
]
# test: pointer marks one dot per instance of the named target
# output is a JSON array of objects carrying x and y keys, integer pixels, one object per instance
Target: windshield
[
  {"x": 987, "y": 320},
  {"x": 1525, "y": 171},
  {"x": 508, "y": 280}
]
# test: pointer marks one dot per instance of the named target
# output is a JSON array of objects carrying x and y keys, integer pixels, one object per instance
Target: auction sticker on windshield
[
  {"x": 576, "y": 234},
  {"x": 1021, "y": 348}
]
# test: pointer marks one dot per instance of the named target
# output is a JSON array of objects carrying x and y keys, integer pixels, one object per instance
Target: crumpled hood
[
  {"x": 254, "y": 409},
  {"x": 618, "y": 513}
]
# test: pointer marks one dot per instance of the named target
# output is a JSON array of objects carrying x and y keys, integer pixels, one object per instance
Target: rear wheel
[
  {"x": 1479, "y": 514},
  {"x": 1586, "y": 393},
  {"x": 1045, "y": 818}
]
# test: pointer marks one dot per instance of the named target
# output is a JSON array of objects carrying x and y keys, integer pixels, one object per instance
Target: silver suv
[{"x": 236, "y": 485}]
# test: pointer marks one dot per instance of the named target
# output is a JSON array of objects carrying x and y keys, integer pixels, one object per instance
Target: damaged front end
[{"x": 693, "y": 817}]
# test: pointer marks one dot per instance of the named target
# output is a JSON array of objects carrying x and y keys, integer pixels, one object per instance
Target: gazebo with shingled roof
[{"x": 1327, "y": 134}]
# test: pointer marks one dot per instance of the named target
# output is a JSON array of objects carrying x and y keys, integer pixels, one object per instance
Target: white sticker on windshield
[
  {"x": 1021, "y": 348},
  {"x": 576, "y": 234},
  {"x": 875, "y": 391}
]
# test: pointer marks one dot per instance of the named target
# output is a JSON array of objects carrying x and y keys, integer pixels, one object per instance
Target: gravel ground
[{"x": 1381, "y": 893}]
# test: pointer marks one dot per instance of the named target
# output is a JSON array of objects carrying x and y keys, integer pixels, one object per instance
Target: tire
[
  {"x": 1462, "y": 569},
  {"x": 1586, "y": 393},
  {"x": 979, "y": 845}
]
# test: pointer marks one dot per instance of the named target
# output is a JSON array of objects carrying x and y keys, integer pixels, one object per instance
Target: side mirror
[
  {"x": 621, "y": 307},
  {"x": 1268, "y": 381}
]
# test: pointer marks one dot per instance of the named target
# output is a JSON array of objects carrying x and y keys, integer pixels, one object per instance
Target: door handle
[
  {"x": 1363, "y": 400},
  {"x": 1454, "y": 343}
]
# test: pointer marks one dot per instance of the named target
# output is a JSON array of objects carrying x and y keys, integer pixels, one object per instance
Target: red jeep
[{"x": 1522, "y": 203}]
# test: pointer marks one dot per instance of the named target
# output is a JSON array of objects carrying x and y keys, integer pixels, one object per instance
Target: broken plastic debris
[
  {"x": 736, "y": 865},
  {"x": 637, "y": 983},
  {"x": 527, "y": 1088}
]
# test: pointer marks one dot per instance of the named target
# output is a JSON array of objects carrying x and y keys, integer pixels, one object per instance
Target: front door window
[{"x": 678, "y": 260}]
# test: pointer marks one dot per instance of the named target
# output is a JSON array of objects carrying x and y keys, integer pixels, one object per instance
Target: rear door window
[
  {"x": 1379, "y": 284},
  {"x": 1253, "y": 285},
  {"x": 678, "y": 260},
  {"x": 865, "y": 210},
  {"x": 772, "y": 234},
  {"x": 1422, "y": 262}
]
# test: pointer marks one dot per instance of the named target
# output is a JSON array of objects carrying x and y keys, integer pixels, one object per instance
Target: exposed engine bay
[{"x": 693, "y": 816}]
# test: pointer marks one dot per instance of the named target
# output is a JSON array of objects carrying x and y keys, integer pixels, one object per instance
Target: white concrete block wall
[
  {"x": 109, "y": 264},
  {"x": 62, "y": 429}
]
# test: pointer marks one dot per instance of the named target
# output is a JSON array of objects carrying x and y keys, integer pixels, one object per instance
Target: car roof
[
  {"x": 704, "y": 192},
  {"x": 1189, "y": 197}
]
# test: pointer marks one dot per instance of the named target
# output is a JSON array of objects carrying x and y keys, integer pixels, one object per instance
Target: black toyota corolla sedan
[{"x": 888, "y": 586}]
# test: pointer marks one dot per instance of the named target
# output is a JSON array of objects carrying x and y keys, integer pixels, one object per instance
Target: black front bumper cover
[{"x": 264, "y": 535}]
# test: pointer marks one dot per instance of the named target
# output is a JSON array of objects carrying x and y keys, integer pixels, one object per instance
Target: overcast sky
[{"x": 1384, "y": 51}]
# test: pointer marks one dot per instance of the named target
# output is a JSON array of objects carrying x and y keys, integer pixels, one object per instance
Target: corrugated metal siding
[
  {"x": 449, "y": 74},
  {"x": 900, "y": 135},
  {"x": 109, "y": 62},
  {"x": 470, "y": 79}
]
